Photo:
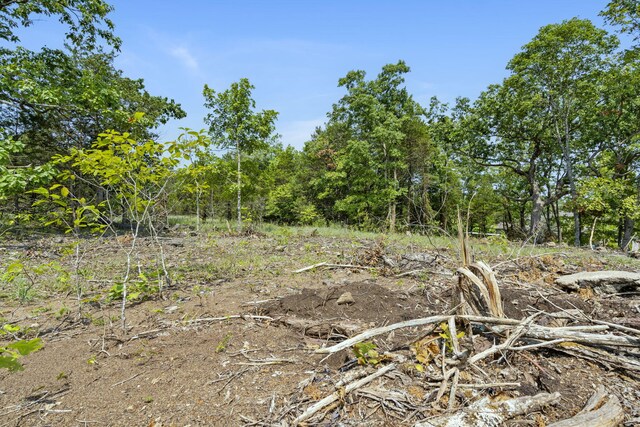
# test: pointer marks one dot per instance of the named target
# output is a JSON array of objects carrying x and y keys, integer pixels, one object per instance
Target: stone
[{"x": 346, "y": 298}]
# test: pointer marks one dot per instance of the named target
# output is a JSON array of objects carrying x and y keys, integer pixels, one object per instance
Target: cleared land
[{"x": 234, "y": 339}]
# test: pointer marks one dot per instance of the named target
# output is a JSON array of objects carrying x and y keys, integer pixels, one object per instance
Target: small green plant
[
  {"x": 62, "y": 312},
  {"x": 21, "y": 280},
  {"x": 199, "y": 291},
  {"x": 446, "y": 336},
  {"x": 136, "y": 291},
  {"x": 367, "y": 354},
  {"x": 10, "y": 354},
  {"x": 222, "y": 345}
]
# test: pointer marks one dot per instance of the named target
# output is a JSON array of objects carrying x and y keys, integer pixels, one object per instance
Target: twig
[
  {"x": 454, "y": 388},
  {"x": 327, "y": 265},
  {"x": 311, "y": 267},
  {"x": 381, "y": 330},
  {"x": 128, "y": 379},
  {"x": 313, "y": 409},
  {"x": 145, "y": 333},
  {"x": 235, "y": 316},
  {"x": 479, "y": 386}
]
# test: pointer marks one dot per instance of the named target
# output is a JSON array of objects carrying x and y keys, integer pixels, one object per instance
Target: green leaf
[
  {"x": 10, "y": 363},
  {"x": 26, "y": 347},
  {"x": 11, "y": 329}
]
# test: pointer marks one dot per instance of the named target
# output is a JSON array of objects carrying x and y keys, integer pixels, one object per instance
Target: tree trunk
[
  {"x": 239, "y": 227},
  {"x": 537, "y": 211},
  {"x": 393, "y": 204},
  {"x": 197, "y": 210},
  {"x": 593, "y": 229},
  {"x": 556, "y": 213},
  {"x": 577, "y": 229},
  {"x": 627, "y": 233},
  {"x": 211, "y": 211}
]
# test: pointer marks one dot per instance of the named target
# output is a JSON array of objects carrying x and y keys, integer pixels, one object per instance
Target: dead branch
[
  {"x": 313, "y": 409},
  {"x": 487, "y": 412},
  {"x": 382, "y": 330},
  {"x": 328, "y": 265},
  {"x": 546, "y": 333},
  {"x": 602, "y": 410},
  {"x": 235, "y": 316},
  {"x": 570, "y": 333},
  {"x": 599, "y": 356}
]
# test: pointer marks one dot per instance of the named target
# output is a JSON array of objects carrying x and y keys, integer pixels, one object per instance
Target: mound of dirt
[{"x": 373, "y": 304}]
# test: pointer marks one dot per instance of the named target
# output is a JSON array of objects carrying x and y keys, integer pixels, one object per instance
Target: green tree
[
  {"x": 563, "y": 64},
  {"x": 52, "y": 101},
  {"x": 614, "y": 132},
  {"x": 377, "y": 116},
  {"x": 233, "y": 124},
  {"x": 624, "y": 14},
  {"x": 87, "y": 20}
]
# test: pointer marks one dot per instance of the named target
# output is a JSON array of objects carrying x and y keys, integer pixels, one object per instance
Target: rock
[
  {"x": 346, "y": 298},
  {"x": 602, "y": 282}
]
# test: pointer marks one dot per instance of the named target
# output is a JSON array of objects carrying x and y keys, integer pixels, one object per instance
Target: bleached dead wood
[
  {"x": 602, "y": 410},
  {"x": 313, "y": 409},
  {"x": 546, "y": 333},
  {"x": 234, "y": 316},
  {"x": 487, "y": 412},
  {"x": 600, "y": 356},
  {"x": 382, "y": 330},
  {"x": 609, "y": 282},
  {"x": 328, "y": 265},
  {"x": 310, "y": 267},
  {"x": 322, "y": 329},
  {"x": 534, "y": 331}
]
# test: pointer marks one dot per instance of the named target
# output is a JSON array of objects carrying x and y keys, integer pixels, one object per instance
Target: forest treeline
[{"x": 550, "y": 153}]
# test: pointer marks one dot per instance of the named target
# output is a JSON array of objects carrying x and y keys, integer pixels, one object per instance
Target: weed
[
  {"x": 367, "y": 354},
  {"x": 62, "y": 312},
  {"x": 446, "y": 336},
  {"x": 222, "y": 345},
  {"x": 10, "y": 354}
]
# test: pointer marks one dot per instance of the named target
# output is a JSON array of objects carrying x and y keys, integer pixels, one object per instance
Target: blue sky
[{"x": 294, "y": 52}]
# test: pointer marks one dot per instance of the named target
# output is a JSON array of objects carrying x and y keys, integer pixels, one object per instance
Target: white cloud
[
  {"x": 185, "y": 57},
  {"x": 296, "y": 133}
]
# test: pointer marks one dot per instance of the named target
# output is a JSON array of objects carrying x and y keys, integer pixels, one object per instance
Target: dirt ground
[{"x": 232, "y": 341}]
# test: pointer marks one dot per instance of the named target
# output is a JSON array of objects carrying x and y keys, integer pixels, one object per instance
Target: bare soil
[{"x": 187, "y": 359}]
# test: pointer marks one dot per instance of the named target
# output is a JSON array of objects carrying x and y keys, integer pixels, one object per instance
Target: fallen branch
[
  {"x": 382, "y": 330},
  {"x": 602, "y": 410},
  {"x": 322, "y": 329},
  {"x": 235, "y": 316},
  {"x": 480, "y": 386},
  {"x": 600, "y": 356},
  {"x": 313, "y": 409},
  {"x": 546, "y": 333},
  {"x": 328, "y": 265},
  {"x": 570, "y": 333},
  {"x": 487, "y": 412},
  {"x": 128, "y": 379}
]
